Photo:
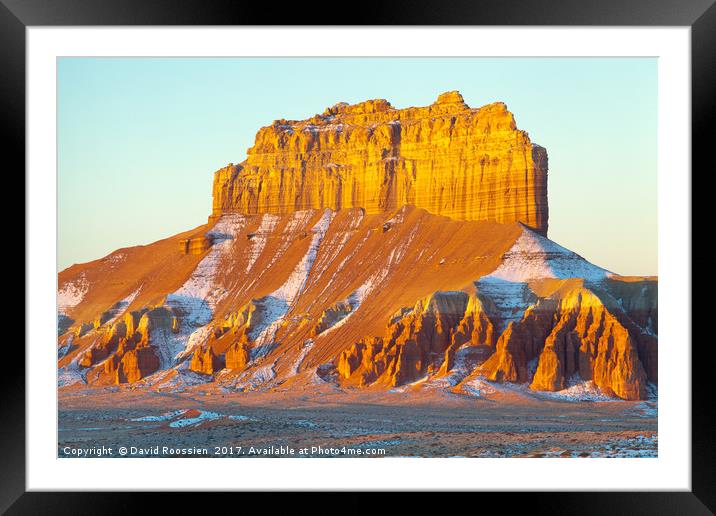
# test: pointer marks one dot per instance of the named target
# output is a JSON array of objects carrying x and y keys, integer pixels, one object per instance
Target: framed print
[{"x": 423, "y": 255}]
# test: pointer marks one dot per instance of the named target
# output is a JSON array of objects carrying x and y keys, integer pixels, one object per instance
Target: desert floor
[{"x": 340, "y": 423}]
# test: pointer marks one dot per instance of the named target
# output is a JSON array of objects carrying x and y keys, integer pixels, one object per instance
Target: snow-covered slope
[{"x": 536, "y": 257}]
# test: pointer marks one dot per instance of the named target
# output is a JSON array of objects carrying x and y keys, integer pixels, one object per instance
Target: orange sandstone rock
[
  {"x": 206, "y": 362},
  {"x": 136, "y": 364},
  {"x": 238, "y": 355},
  {"x": 571, "y": 333},
  {"x": 417, "y": 341},
  {"x": 196, "y": 245},
  {"x": 468, "y": 164},
  {"x": 520, "y": 343}
]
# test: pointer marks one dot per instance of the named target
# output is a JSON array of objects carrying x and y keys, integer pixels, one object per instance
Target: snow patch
[
  {"x": 195, "y": 340},
  {"x": 121, "y": 306},
  {"x": 646, "y": 410},
  {"x": 310, "y": 128},
  {"x": 115, "y": 259},
  {"x": 332, "y": 249},
  {"x": 369, "y": 285},
  {"x": 195, "y": 421},
  {"x": 199, "y": 295},
  {"x": 238, "y": 417},
  {"x": 64, "y": 349},
  {"x": 178, "y": 422},
  {"x": 278, "y": 303},
  {"x": 578, "y": 390},
  {"x": 177, "y": 379},
  {"x": 531, "y": 257},
  {"x": 257, "y": 378},
  {"x": 258, "y": 241},
  {"x": 638, "y": 447},
  {"x": 354, "y": 301},
  {"x": 295, "y": 283},
  {"x": 457, "y": 373},
  {"x": 307, "y": 345},
  {"x": 534, "y": 257},
  {"x": 304, "y": 423},
  {"x": 162, "y": 417},
  {"x": 479, "y": 388},
  {"x": 70, "y": 374},
  {"x": 650, "y": 407},
  {"x": 272, "y": 312},
  {"x": 354, "y": 249},
  {"x": 510, "y": 299},
  {"x": 194, "y": 302},
  {"x": 325, "y": 374},
  {"x": 72, "y": 293}
]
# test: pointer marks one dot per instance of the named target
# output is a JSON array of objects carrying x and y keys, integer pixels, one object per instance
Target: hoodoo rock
[
  {"x": 367, "y": 247},
  {"x": 587, "y": 340},
  {"x": 450, "y": 159}
]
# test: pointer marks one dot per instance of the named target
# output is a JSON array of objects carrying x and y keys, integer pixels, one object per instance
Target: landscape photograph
[{"x": 357, "y": 257}]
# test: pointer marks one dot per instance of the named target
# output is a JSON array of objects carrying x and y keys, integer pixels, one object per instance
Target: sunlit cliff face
[{"x": 467, "y": 164}]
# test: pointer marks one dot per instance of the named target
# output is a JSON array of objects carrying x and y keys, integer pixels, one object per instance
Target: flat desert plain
[{"x": 491, "y": 420}]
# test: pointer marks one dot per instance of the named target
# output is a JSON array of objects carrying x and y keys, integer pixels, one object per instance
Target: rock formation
[
  {"x": 419, "y": 341},
  {"x": 467, "y": 164},
  {"x": 195, "y": 245},
  {"x": 367, "y": 247}
]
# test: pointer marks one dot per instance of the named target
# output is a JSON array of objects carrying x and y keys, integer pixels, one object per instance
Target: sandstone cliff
[{"x": 468, "y": 164}]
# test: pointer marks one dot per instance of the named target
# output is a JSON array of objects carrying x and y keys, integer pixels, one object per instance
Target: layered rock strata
[{"x": 450, "y": 159}]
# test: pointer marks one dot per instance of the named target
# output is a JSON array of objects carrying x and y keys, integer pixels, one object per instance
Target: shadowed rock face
[
  {"x": 414, "y": 344},
  {"x": 589, "y": 341},
  {"x": 123, "y": 353},
  {"x": 279, "y": 289},
  {"x": 468, "y": 164},
  {"x": 572, "y": 333}
]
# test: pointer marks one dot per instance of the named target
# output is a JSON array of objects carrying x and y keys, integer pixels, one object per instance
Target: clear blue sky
[{"x": 140, "y": 138}]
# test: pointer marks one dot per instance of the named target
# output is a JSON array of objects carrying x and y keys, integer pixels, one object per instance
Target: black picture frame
[{"x": 700, "y": 15}]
